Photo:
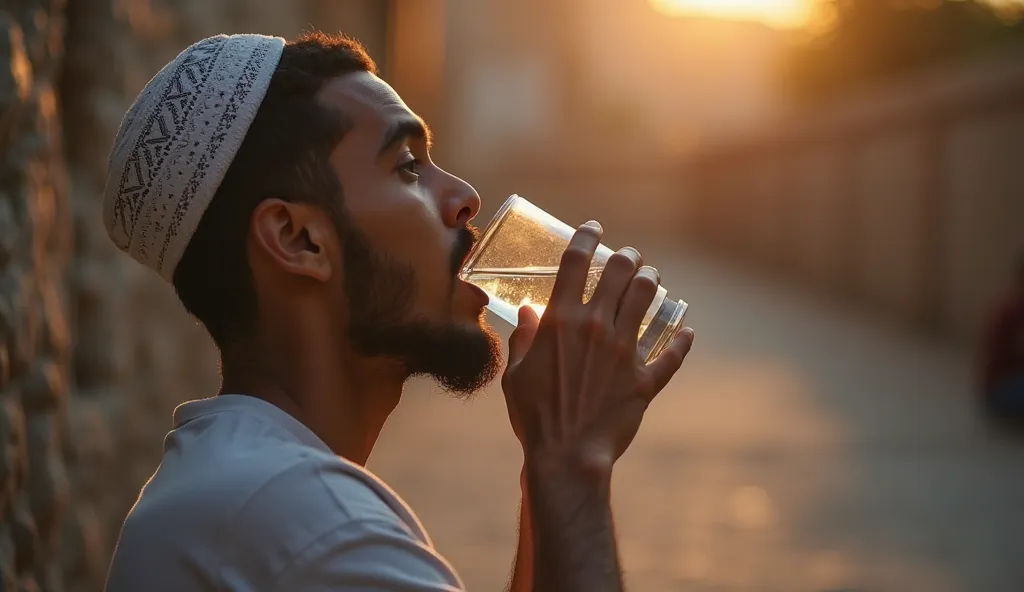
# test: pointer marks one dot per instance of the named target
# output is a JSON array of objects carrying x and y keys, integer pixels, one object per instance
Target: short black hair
[{"x": 284, "y": 154}]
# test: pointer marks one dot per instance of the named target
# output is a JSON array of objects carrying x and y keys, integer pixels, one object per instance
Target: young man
[{"x": 288, "y": 194}]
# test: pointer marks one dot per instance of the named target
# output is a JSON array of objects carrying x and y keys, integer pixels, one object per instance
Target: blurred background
[{"x": 834, "y": 186}]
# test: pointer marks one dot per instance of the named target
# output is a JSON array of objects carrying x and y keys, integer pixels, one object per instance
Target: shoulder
[
  {"x": 260, "y": 468},
  {"x": 251, "y": 510},
  {"x": 316, "y": 490},
  {"x": 369, "y": 555},
  {"x": 327, "y": 524},
  {"x": 244, "y": 497},
  {"x": 315, "y": 499}
]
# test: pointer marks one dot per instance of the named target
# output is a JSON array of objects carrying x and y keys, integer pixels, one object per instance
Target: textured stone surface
[{"x": 34, "y": 253}]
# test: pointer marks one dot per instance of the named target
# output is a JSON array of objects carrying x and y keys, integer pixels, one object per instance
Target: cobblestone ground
[{"x": 802, "y": 448}]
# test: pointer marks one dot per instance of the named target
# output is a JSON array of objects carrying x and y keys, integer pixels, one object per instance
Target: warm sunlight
[
  {"x": 777, "y": 13},
  {"x": 537, "y": 308}
]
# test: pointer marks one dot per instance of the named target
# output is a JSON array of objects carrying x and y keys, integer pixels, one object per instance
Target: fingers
[
  {"x": 521, "y": 339},
  {"x": 667, "y": 364},
  {"x": 615, "y": 279},
  {"x": 639, "y": 295},
  {"x": 575, "y": 266}
]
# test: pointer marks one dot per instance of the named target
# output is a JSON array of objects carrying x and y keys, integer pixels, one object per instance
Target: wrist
[{"x": 574, "y": 469}]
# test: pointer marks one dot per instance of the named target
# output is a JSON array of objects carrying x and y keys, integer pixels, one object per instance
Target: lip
[
  {"x": 478, "y": 292},
  {"x": 462, "y": 265}
]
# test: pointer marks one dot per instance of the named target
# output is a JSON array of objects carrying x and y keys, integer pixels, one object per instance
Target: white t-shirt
[{"x": 247, "y": 499}]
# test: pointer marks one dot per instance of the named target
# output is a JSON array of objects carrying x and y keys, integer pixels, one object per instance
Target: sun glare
[{"x": 777, "y": 13}]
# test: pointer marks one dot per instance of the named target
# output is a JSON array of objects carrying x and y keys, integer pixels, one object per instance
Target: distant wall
[{"x": 908, "y": 202}]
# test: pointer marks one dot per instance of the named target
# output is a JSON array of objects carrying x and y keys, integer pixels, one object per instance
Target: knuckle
[
  {"x": 626, "y": 259},
  {"x": 625, "y": 348},
  {"x": 596, "y": 328},
  {"x": 556, "y": 319},
  {"x": 647, "y": 282},
  {"x": 593, "y": 325},
  {"x": 563, "y": 323},
  {"x": 576, "y": 255},
  {"x": 637, "y": 257}
]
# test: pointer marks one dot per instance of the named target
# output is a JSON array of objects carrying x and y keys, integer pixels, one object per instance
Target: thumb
[{"x": 520, "y": 340}]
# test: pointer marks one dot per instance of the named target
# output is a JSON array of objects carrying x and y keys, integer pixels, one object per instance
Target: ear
[{"x": 295, "y": 237}]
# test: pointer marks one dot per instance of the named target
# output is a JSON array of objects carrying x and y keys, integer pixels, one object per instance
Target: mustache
[{"x": 466, "y": 238}]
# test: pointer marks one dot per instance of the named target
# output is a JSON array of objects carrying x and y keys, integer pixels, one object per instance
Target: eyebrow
[{"x": 402, "y": 129}]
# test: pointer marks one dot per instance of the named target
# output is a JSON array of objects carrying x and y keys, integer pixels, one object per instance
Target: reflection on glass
[{"x": 517, "y": 259}]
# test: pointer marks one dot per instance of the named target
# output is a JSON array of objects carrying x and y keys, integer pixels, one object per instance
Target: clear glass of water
[{"x": 516, "y": 261}]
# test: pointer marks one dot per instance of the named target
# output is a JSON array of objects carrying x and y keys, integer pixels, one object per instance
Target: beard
[{"x": 381, "y": 292}]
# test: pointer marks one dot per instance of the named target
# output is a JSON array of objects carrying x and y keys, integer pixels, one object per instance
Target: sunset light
[
  {"x": 537, "y": 308},
  {"x": 777, "y": 13}
]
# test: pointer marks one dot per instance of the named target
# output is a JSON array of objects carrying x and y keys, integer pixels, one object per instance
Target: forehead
[{"x": 365, "y": 98}]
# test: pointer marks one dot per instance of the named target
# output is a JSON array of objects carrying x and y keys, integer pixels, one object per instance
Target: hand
[{"x": 576, "y": 386}]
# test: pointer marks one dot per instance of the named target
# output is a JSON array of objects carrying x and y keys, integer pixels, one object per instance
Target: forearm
[
  {"x": 572, "y": 532},
  {"x": 522, "y": 574}
]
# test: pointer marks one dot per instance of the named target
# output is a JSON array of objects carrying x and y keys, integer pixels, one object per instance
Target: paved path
[{"x": 801, "y": 449}]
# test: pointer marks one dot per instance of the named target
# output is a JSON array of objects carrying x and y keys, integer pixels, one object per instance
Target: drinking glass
[{"x": 516, "y": 261}]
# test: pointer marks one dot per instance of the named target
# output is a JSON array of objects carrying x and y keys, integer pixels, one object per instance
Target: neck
[{"x": 345, "y": 401}]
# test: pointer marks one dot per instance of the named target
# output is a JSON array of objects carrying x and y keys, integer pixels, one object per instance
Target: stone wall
[
  {"x": 34, "y": 337},
  {"x": 95, "y": 351}
]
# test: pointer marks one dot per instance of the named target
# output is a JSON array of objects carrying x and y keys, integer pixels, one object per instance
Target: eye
[{"x": 410, "y": 166}]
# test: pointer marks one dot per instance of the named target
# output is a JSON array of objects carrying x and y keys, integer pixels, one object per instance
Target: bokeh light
[{"x": 777, "y": 13}]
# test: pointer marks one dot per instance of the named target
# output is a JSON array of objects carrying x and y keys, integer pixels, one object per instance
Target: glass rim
[
  {"x": 672, "y": 330},
  {"x": 492, "y": 227}
]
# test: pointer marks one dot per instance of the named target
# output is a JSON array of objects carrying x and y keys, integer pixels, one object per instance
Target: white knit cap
[{"x": 177, "y": 140}]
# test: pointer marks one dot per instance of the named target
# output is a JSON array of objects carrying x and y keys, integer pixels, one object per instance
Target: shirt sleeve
[{"x": 369, "y": 556}]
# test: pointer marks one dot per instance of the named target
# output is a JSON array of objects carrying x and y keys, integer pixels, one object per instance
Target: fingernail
[
  {"x": 594, "y": 224},
  {"x": 653, "y": 271},
  {"x": 688, "y": 332}
]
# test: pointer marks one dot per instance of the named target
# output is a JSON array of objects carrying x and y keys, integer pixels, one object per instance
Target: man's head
[{"x": 330, "y": 224}]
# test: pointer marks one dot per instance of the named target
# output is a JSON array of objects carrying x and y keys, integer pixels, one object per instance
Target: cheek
[
  {"x": 392, "y": 214},
  {"x": 408, "y": 231}
]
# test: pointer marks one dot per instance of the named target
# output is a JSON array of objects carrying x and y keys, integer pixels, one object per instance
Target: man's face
[{"x": 404, "y": 235}]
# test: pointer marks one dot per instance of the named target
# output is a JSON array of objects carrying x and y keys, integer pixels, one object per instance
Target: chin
[
  {"x": 480, "y": 322},
  {"x": 466, "y": 361},
  {"x": 461, "y": 356},
  {"x": 470, "y": 321}
]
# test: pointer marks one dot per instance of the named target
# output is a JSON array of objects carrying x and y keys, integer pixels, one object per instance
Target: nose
[{"x": 460, "y": 202}]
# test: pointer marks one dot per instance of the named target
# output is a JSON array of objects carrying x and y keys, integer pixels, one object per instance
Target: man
[
  {"x": 1002, "y": 354},
  {"x": 288, "y": 194}
]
